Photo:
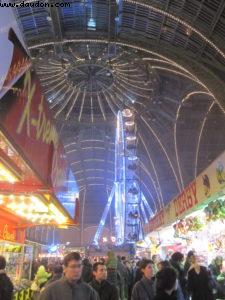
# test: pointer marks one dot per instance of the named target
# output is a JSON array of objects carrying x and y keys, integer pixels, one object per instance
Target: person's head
[
  {"x": 163, "y": 264},
  {"x": 102, "y": 259},
  {"x": 73, "y": 266},
  {"x": 50, "y": 268},
  {"x": 177, "y": 257},
  {"x": 99, "y": 271},
  {"x": 146, "y": 267},
  {"x": 57, "y": 270},
  {"x": 219, "y": 261},
  {"x": 166, "y": 280},
  {"x": 2, "y": 263},
  {"x": 86, "y": 261},
  {"x": 155, "y": 258},
  {"x": 193, "y": 259},
  {"x": 189, "y": 255},
  {"x": 111, "y": 254}
]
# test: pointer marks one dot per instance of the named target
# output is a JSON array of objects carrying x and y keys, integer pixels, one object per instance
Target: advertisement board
[
  {"x": 206, "y": 187},
  {"x": 25, "y": 118}
]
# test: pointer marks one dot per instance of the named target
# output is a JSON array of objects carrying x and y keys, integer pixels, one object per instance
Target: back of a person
[
  {"x": 166, "y": 284},
  {"x": 164, "y": 296},
  {"x": 6, "y": 287}
]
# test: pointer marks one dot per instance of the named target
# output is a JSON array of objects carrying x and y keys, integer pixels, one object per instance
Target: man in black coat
[
  {"x": 6, "y": 286},
  {"x": 105, "y": 290}
]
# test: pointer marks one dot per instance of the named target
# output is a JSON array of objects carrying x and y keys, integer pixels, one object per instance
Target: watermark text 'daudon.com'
[{"x": 34, "y": 4}]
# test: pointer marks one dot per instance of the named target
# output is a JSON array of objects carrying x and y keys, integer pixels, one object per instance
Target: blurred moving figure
[
  {"x": 166, "y": 284},
  {"x": 57, "y": 273},
  {"x": 177, "y": 263},
  {"x": 166, "y": 264}
]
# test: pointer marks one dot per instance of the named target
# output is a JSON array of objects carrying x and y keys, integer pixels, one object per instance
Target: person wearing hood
[
  {"x": 112, "y": 265},
  {"x": 87, "y": 271},
  {"x": 6, "y": 286},
  {"x": 42, "y": 276},
  {"x": 144, "y": 289}
]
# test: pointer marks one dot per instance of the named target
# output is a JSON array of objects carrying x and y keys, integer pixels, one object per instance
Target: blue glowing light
[
  {"x": 53, "y": 248},
  {"x": 91, "y": 24}
]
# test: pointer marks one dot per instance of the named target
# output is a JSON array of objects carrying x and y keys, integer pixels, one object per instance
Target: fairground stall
[
  {"x": 37, "y": 186},
  {"x": 195, "y": 219}
]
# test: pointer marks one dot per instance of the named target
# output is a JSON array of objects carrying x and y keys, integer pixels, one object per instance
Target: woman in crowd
[
  {"x": 166, "y": 284},
  {"x": 144, "y": 289},
  {"x": 187, "y": 264},
  {"x": 199, "y": 283}
]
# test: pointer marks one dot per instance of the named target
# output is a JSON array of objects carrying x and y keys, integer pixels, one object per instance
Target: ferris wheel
[{"x": 131, "y": 210}]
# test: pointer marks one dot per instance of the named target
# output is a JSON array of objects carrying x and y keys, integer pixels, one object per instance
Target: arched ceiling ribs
[
  {"x": 164, "y": 150},
  {"x": 148, "y": 191},
  {"x": 180, "y": 21},
  {"x": 212, "y": 104},
  {"x": 183, "y": 101},
  {"x": 140, "y": 48},
  {"x": 143, "y": 167},
  {"x": 158, "y": 188}
]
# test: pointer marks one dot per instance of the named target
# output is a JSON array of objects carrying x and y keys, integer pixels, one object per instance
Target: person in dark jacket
[
  {"x": 87, "y": 271},
  {"x": 177, "y": 263},
  {"x": 6, "y": 286},
  {"x": 199, "y": 285},
  {"x": 105, "y": 290},
  {"x": 70, "y": 287},
  {"x": 144, "y": 289},
  {"x": 166, "y": 284},
  {"x": 166, "y": 264}
]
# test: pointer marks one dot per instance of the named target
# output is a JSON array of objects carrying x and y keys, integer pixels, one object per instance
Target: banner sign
[
  {"x": 25, "y": 117},
  {"x": 207, "y": 186}
]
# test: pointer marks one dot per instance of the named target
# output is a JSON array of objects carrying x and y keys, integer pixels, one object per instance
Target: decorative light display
[
  {"x": 6, "y": 175},
  {"x": 33, "y": 208}
]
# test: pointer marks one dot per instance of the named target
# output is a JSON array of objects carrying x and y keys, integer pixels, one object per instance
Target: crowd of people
[{"x": 119, "y": 278}]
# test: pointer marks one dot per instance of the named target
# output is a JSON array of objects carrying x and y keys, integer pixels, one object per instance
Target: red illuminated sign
[{"x": 186, "y": 200}]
